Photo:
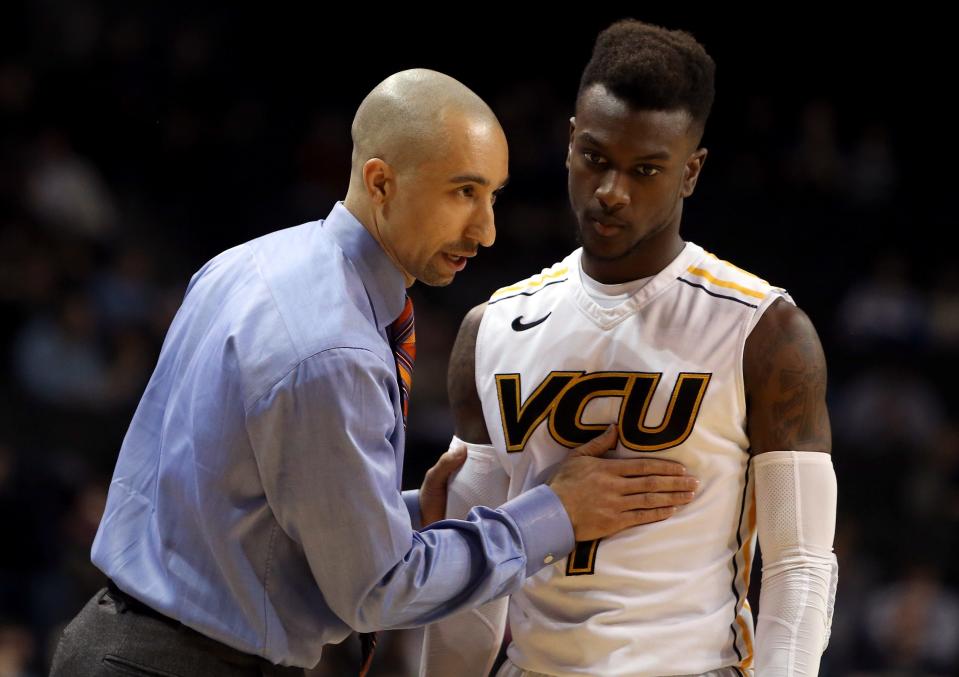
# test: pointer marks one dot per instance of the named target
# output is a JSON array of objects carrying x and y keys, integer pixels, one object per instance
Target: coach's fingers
[
  {"x": 662, "y": 499},
  {"x": 635, "y": 518},
  {"x": 632, "y": 467},
  {"x": 448, "y": 463},
  {"x": 654, "y": 483},
  {"x": 600, "y": 444},
  {"x": 433, "y": 490}
]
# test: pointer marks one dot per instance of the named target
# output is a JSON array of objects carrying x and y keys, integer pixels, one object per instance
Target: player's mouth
[
  {"x": 603, "y": 224},
  {"x": 606, "y": 228}
]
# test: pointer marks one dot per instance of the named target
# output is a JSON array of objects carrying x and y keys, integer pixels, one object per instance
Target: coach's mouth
[{"x": 456, "y": 262}]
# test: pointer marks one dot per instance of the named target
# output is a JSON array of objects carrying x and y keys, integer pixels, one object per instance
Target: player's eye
[
  {"x": 647, "y": 170},
  {"x": 593, "y": 158}
]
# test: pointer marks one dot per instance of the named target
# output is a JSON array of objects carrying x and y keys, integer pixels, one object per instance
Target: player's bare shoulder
[
  {"x": 465, "y": 403},
  {"x": 784, "y": 368}
]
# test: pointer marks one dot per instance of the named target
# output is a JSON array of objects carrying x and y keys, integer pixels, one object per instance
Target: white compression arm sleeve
[
  {"x": 467, "y": 643},
  {"x": 796, "y": 511}
]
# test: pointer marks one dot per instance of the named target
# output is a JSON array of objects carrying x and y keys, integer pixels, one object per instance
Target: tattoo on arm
[{"x": 785, "y": 371}]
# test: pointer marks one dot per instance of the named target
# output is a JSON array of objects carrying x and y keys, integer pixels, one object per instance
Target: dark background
[{"x": 139, "y": 141}]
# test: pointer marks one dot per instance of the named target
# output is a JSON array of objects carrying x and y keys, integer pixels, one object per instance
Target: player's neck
[{"x": 648, "y": 258}]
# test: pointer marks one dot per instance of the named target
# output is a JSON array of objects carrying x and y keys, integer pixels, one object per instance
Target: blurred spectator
[
  {"x": 944, "y": 310},
  {"x": 67, "y": 193},
  {"x": 815, "y": 162},
  {"x": 124, "y": 294},
  {"x": 17, "y": 647},
  {"x": 871, "y": 173},
  {"x": 59, "y": 359},
  {"x": 883, "y": 309},
  {"x": 913, "y": 622},
  {"x": 932, "y": 484},
  {"x": 888, "y": 409}
]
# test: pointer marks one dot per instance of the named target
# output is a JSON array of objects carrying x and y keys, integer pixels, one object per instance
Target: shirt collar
[{"x": 385, "y": 284}]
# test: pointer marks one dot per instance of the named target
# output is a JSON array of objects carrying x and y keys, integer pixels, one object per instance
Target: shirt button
[{"x": 548, "y": 559}]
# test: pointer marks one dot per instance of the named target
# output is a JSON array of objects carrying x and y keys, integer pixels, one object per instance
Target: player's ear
[{"x": 694, "y": 165}]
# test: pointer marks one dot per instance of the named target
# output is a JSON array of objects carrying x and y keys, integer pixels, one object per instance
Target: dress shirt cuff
[
  {"x": 544, "y": 526},
  {"x": 412, "y": 499}
]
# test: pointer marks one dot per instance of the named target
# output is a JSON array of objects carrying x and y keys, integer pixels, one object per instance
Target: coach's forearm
[{"x": 457, "y": 564}]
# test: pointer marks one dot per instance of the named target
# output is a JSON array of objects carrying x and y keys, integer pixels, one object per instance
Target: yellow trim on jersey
[
  {"x": 725, "y": 283},
  {"x": 747, "y": 661},
  {"x": 531, "y": 282},
  {"x": 746, "y": 272},
  {"x": 735, "y": 267}
]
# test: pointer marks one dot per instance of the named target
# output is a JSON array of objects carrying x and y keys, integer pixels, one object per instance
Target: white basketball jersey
[{"x": 553, "y": 369}]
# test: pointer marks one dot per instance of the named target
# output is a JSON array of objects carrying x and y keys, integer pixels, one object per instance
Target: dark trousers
[{"x": 115, "y": 634}]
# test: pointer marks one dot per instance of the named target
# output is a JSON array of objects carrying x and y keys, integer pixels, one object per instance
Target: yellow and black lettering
[
  {"x": 520, "y": 420},
  {"x": 565, "y": 420},
  {"x": 563, "y": 396},
  {"x": 677, "y": 423},
  {"x": 582, "y": 561}
]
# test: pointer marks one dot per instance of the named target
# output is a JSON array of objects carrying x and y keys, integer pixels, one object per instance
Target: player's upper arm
[
  {"x": 784, "y": 369},
  {"x": 468, "y": 421}
]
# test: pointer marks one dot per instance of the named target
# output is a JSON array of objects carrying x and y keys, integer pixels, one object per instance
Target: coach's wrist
[{"x": 544, "y": 526}]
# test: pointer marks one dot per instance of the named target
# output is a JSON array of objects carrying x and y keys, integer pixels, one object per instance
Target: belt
[{"x": 128, "y": 603}]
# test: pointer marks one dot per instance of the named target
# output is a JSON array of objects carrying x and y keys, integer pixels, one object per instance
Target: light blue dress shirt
[{"x": 257, "y": 497}]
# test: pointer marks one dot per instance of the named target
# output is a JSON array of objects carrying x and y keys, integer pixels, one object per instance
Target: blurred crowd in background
[{"x": 138, "y": 143}]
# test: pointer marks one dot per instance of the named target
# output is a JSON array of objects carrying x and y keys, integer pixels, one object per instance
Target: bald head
[
  {"x": 412, "y": 116},
  {"x": 429, "y": 158}
]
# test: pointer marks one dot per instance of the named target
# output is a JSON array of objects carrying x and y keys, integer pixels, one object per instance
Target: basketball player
[{"x": 694, "y": 360}]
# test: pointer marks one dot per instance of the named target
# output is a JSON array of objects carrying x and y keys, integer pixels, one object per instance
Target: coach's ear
[{"x": 379, "y": 180}]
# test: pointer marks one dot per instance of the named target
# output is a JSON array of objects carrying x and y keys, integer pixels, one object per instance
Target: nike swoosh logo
[{"x": 519, "y": 325}]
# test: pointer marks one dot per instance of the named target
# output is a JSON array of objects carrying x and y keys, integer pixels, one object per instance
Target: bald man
[{"x": 255, "y": 513}]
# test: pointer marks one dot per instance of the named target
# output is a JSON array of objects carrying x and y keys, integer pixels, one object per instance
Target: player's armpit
[
  {"x": 467, "y": 643},
  {"x": 784, "y": 369},
  {"x": 469, "y": 424}
]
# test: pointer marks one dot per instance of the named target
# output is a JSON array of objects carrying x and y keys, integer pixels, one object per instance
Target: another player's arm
[
  {"x": 468, "y": 642},
  {"x": 784, "y": 371},
  {"x": 468, "y": 422}
]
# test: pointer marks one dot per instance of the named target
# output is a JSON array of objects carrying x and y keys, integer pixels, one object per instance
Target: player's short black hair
[{"x": 653, "y": 68}]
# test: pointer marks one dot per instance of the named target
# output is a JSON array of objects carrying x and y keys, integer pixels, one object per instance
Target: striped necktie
[
  {"x": 367, "y": 645},
  {"x": 403, "y": 341}
]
